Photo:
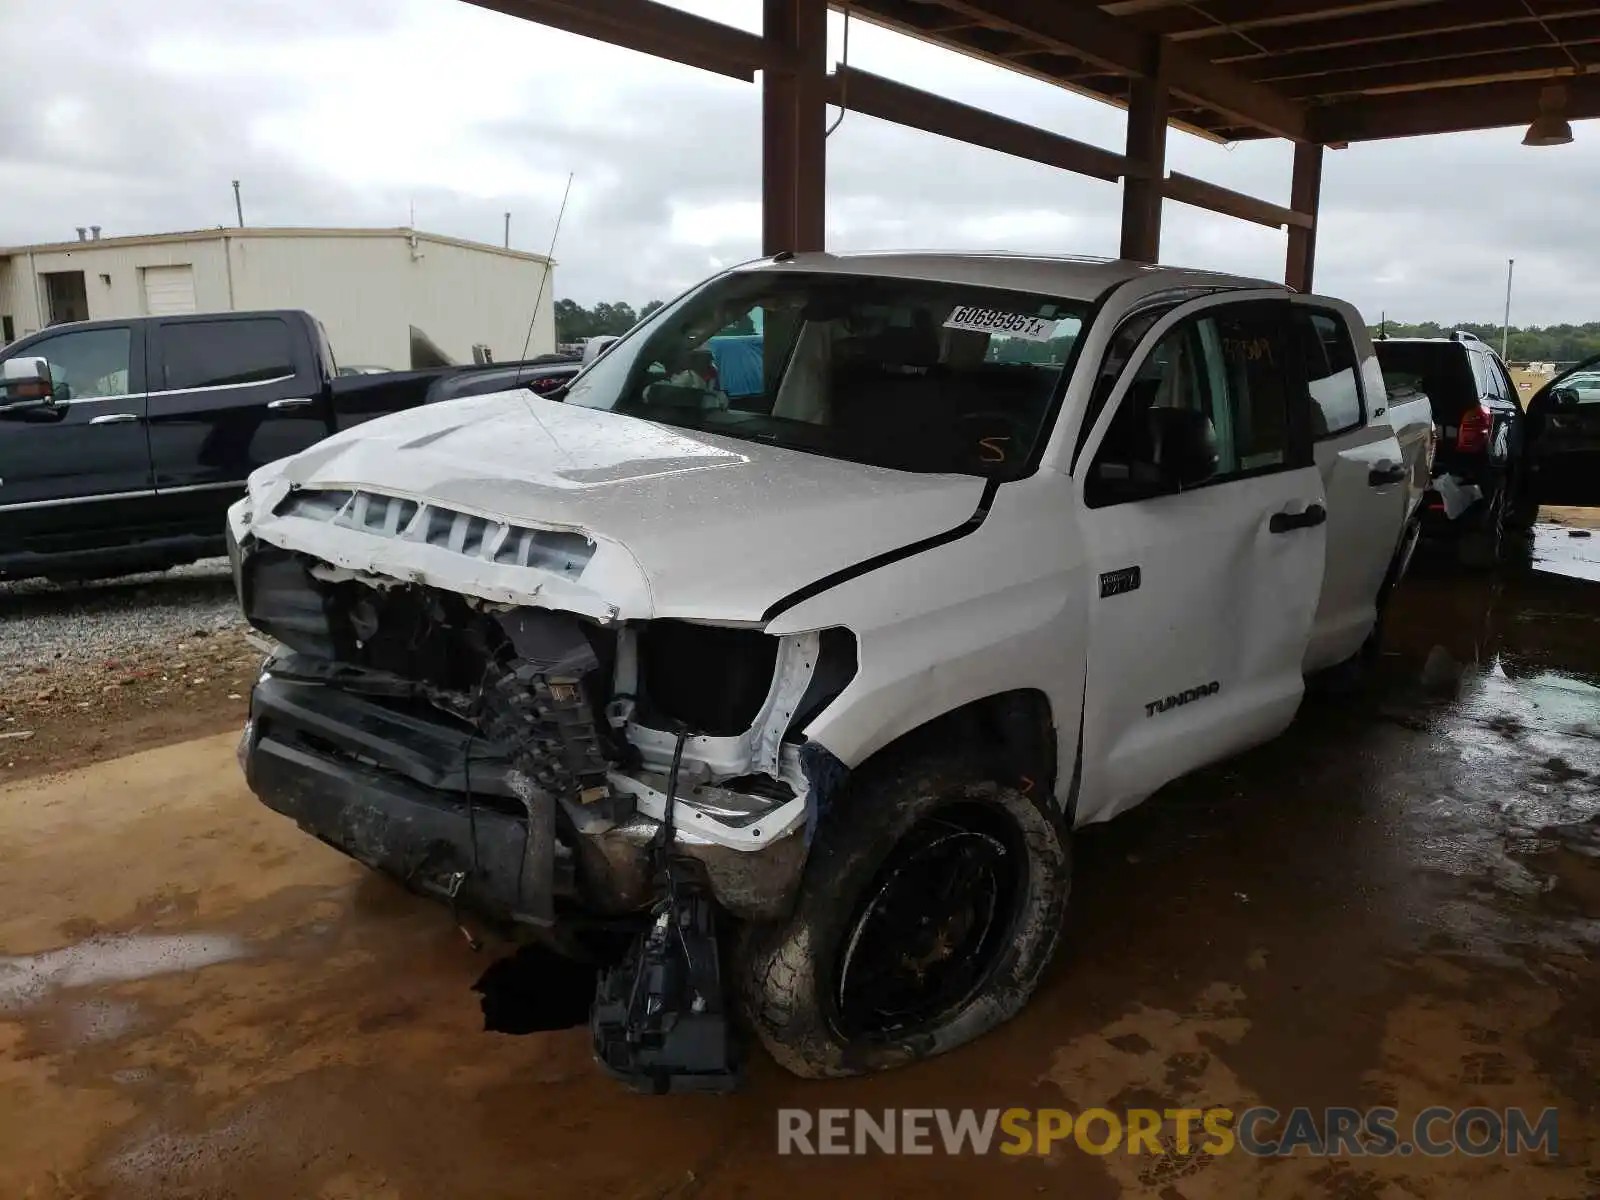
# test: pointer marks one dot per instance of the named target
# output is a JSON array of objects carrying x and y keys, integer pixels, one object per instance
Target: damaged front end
[{"x": 516, "y": 761}]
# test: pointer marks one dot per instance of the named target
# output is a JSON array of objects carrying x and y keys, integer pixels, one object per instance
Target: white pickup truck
[{"x": 802, "y": 630}]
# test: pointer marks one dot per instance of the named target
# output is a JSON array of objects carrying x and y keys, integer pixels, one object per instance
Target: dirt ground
[
  {"x": 1396, "y": 903},
  {"x": 58, "y": 717}
]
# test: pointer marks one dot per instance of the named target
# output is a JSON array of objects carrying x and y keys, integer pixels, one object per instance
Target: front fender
[{"x": 1003, "y": 608}]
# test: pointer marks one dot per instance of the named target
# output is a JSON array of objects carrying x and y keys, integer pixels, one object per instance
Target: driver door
[
  {"x": 1204, "y": 597},
  {"x": 68, "y": 469}
]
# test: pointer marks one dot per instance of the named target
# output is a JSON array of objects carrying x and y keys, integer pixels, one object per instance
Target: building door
[{"x": 168, "y": 291}]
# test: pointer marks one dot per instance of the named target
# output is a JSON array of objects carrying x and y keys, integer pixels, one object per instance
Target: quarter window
[
  {"x": 1332, "y": 377},
  {"x": 1499, "y": 381},
  {"x": 219, "y": 353},
  {"x": 1483, "y": 373}
]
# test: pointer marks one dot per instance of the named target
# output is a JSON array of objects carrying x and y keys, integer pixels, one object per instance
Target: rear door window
[
  {"x": 1332, "y": 378},
  {"x": 201, "y": 354}
]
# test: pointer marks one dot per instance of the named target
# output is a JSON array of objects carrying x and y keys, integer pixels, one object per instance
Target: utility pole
[
  {"x": 508, "y": 231},
  {"x": 1505, "y": 326},
  {"x": 238, "y": 205}
]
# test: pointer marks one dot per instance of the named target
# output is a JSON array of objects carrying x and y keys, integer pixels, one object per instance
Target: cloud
[{"x": 364, "y": 111}]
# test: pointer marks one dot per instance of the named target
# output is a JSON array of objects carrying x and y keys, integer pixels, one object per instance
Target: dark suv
[{"x": 1480, "y": 431}]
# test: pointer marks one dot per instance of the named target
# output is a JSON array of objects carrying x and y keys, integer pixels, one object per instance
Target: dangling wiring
[
  {"x": 844, "y": 76},
  {"x": 664, "y": 835}
]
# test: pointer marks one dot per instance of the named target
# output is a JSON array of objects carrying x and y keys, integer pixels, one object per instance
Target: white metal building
[{"x": 369, "y": 287}]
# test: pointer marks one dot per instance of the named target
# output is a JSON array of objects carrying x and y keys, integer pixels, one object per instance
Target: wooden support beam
[
  {"x": 1079, "y": 28},
  {"x": 862, "y": 92},
  {"x": 1404, "y": 52},
  {"x": 1217, "y": 18},
  {"x": 648, "y": 27},
  {"x": 1453, "y": 72},
  {"x": 1305, "y": 195},
  {"x": 1448, "y": 110},
  {"x": 1426, "y": 22},
  {"x": 811, "y": 123},
  {"x": 1186, "y": 189},
  {"x": 793, "y": 99},
  {"x": 1148, "y": 111}
]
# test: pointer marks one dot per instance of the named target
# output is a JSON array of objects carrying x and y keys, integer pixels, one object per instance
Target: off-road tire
[{"x": 782, "y": 969}]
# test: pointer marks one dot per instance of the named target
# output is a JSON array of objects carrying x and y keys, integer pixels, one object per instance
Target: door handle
[
  {"x": 114, "y": 419},
  {"x": 1287, "y": 522},
  {"x": 297, "y": 402},
  {"x": 1384, "y": 476}
]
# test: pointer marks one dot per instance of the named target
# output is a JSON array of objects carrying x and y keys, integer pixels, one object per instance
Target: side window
[
  {"x": 1482, "y": 373},
  {"x": 1118, "y": 354},
  {"x": 89, "y": 364},
  {"x": 218, "y": 353},
  {"x": 1332, "y": 376},
  {"x": 1225, "y": 366},
  {"x": 1498, "y": 378}
]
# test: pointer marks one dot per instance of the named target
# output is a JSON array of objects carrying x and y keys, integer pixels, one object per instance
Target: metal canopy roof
[
  {"x": 1328, "y": 71},
  {"x": 1318, "y": 72}
]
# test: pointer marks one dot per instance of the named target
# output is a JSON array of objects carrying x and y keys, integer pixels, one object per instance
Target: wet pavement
[{"x": 1396, "y": 903}]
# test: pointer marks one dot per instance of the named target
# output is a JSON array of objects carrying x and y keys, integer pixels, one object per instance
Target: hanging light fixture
[{"x": 1550, "y": 127}]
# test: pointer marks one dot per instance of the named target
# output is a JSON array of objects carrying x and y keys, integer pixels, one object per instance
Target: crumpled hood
[{"x": 683, "y": 524}]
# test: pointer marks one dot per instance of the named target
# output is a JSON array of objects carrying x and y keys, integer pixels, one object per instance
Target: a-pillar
[
  {"x": 794, "y": 170},
  {"x": 1304, "y": 195},
  {"x": 1147, "y": 156}
]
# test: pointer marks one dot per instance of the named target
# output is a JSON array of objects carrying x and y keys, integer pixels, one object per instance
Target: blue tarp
[{"x": 740, "y": 364}]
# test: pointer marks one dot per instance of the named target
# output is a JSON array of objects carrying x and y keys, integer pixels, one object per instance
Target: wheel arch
[{"x": 1014, "y": 731}]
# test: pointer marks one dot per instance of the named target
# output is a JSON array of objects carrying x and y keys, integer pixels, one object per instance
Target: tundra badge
[{"x": 1184, "y": 697}]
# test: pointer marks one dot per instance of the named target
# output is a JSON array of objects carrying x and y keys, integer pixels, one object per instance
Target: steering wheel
[{"x": 994, "y": 439}]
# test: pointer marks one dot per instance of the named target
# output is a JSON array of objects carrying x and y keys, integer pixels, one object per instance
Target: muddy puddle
[
  {"x": 1566, "y": 551},
  {"x": 26, "y": 980}
]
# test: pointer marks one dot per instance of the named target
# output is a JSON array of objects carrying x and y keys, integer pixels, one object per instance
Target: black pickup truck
[{"x": 123, "y": 442}]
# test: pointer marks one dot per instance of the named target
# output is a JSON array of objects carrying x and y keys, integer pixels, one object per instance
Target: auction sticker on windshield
[{"x": 991, "y": 320}]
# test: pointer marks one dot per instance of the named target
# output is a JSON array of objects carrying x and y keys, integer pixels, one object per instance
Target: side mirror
[
  {"x": 596, "y": 346},
  {"x": 1185, "y": 444},
  {"x": 26, "y": 383},
  {"x": 1564, "y": 397}
]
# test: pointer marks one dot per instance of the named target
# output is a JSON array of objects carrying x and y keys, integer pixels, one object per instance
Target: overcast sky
[{"x": 335, "y": 112}]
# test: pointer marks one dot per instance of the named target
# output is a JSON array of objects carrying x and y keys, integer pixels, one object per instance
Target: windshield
[{"x": 917, "y": 376}]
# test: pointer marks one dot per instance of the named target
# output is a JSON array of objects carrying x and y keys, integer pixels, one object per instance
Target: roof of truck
[{"x": 1072, "y": 277}]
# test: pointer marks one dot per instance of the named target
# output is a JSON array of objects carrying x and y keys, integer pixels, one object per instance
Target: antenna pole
[{"x": 544, "y": 278}]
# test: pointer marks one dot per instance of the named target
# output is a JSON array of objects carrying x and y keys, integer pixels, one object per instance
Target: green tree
[
  {"x": 1550, "y": 343},
  {"x": 574, "y": 322}
]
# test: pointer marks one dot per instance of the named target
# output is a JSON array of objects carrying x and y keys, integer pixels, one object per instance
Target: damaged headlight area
[{"x": 520, "y": 762}]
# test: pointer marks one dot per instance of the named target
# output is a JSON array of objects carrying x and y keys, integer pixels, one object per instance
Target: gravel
[{"x": 69, "y": 627}]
